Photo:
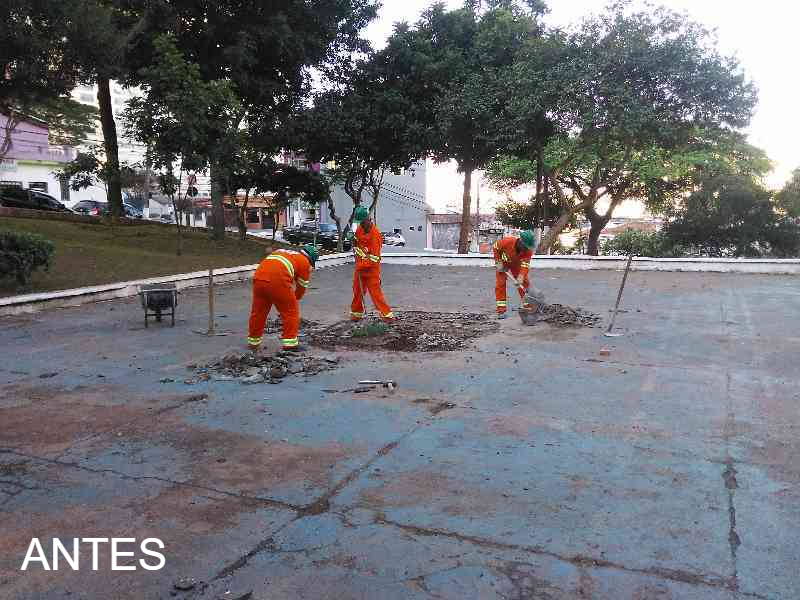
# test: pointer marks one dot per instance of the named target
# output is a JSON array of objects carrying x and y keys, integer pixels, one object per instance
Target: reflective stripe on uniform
[
  {"x": 360, "y": 253},
  {"x": 504, "y": 257},
  {"x": 290, "y": 342},
  {"x": 374, "y": 258},
  {"x": 389, "y": 315},
  {"x": 356, "y": 314},
  {"x": 286, "y": 262},
  {"x": 302, "y": 282},
  {"x": 525, "y": 265},
  {"x": 502, "y": 303},
  {"x": 254, "y": 341}
]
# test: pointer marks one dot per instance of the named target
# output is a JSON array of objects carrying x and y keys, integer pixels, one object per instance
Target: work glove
[
  {"x": 522, "y": 281},
  {"x": 498, "y": 264}
]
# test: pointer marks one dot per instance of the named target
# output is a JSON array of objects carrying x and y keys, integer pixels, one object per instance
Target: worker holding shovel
[
  {"x": 281, "y": 280},
  {"x": 512, "y": 257},
  {"x": 367, "y": 248}
]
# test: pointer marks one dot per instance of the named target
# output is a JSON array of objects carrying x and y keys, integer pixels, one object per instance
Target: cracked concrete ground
[{"x": 668, "y": 469}]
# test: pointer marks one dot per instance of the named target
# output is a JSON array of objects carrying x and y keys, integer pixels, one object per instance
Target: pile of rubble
[
  {"x": 412, "y": 331},
  {"x": 246, "y": 367},
  {"x": 566, "y": 316}
]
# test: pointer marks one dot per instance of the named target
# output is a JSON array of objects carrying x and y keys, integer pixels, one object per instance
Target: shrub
[
  {"x": 22, "y": 253},
  {"x": 642, "y": 243}
]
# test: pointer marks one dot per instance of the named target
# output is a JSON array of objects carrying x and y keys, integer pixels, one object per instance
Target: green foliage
[
  {"x": 23, "y": 253},
  {"x": 654, "y": 244},
  {"x": 69, "y": 122},
  {"x": 733, "y": 216},
  {"x": 628, "y": 98},
  {"x": 788, "y": 199}
]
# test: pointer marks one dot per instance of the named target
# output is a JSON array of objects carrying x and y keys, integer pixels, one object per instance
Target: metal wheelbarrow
[{"x": 159, "y": 299}]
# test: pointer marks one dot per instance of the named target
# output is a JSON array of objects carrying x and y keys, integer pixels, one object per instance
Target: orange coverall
[
  {"x": 368, "y": 271},
  {"x": 518, "y": 264},
  {"x": 273, "y": 285}
]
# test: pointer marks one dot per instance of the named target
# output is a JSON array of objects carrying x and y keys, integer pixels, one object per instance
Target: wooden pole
[{"x": 211, "y": 301}]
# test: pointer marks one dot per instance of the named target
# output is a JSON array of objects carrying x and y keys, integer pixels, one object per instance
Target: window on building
[
  {"x": 14, "y": 184},
  {"x": 38, "y": 185},
  {"x": 64, "y": 184}
]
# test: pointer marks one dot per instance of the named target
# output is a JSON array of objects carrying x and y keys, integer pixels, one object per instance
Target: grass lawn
[{"x": 92, "y": 254}]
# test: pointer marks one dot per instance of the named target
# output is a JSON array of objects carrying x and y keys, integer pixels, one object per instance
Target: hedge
[{"x": 22, "y": 253}]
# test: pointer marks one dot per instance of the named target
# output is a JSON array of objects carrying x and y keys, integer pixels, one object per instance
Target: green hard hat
[
  {"x": 361, "y": 214},
  {"x": 527, "y": 239},
  {"x": 312, "y": 253}
]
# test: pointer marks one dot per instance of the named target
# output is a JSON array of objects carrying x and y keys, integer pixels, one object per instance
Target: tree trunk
[
  {"x": 562, "y": 221},
  {"x": 336, "y": 219},
  {"x": 217, "y": 205},
  {"x": 463, "y": 238},
  {"x": 241, "y": 214},
  {"x": 178, "y": 218},
  {"x": 599, "y": 223},
  {"x": 111, "y": 147},
  {"x": 593, "y": 241}
]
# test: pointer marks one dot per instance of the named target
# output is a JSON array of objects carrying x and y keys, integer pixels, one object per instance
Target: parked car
[
  {"x": 131, "y": 211},
  {"x": 393, "y": 238},
  {"x": 14, "y": 197},
  {"x": 91, "y": 207},
  {"x": 325, "y": 234}
]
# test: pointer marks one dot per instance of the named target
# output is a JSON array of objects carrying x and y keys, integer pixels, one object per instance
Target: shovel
[
  {"x": 535, "y": 297},
  {"x": 619, "y": 297}
]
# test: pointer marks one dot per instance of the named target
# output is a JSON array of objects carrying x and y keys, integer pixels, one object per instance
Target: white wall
[{"x": 28, "y": 173}]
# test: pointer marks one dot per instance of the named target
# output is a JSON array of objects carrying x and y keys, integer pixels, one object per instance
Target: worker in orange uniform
[
  {"x": 367, "y": 247},
  {"x": 281, "y": 280},
  {"x": 511, "y": 255}
]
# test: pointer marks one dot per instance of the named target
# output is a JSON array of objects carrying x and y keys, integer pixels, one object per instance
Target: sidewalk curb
[{"x": 28, "y": 303}]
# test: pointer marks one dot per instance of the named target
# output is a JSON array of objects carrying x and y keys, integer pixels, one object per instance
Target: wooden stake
[{"x": 211, "y": 301}]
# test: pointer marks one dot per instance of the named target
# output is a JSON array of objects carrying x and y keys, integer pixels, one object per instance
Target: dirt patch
[
  {"x": 250, "y": 368},
  {"x": 47, "y": 420},
  {"x": 412, "y": 331}
]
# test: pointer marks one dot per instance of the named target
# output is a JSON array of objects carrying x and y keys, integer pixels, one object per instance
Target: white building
[
  {"x": 131, "y": 153},
  {"x": 31, "y": 162}
]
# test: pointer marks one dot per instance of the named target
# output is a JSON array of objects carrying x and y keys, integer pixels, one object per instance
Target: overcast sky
[{"x": 763, "y": 35}]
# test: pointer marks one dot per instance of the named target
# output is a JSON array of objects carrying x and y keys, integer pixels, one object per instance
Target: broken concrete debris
[
  {"x": 185, "y": 584},
  {"x": 562, "y": 315},
  {"x": 249, "y": 368},
  {"x": 411, "y": 331}
]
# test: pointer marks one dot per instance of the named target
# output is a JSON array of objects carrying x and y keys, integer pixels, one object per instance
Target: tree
[
  {"x": 788, "y": 199},
  {"x": 733, "y": 215},
  {"x": 365, "y": 127},
  {"x": 180, "y": 117},
  {"x": 458, "y": 59},
  {"x": 626, "y": 94},
  {"x": 98, "y": 38},
  {"x": 37, "y": 71},
  {"x": 264, "y": 50}
]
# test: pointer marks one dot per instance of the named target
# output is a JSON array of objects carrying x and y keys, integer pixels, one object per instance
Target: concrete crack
[
  {"x": 578, "y": 560},
  {"x": 731, "y": 485},
  {"x": 320, "y": 506},
  {"x": 269, "y": 502}
]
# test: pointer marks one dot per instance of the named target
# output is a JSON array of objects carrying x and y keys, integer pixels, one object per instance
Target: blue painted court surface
[{"x": 530, "y": 465}]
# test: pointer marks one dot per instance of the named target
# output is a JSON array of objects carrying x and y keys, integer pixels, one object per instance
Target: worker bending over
[
  {"x": 274, "y": 284},
  {"x": 511, "y": 254},
  {"x": 367, "y": 247}
]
